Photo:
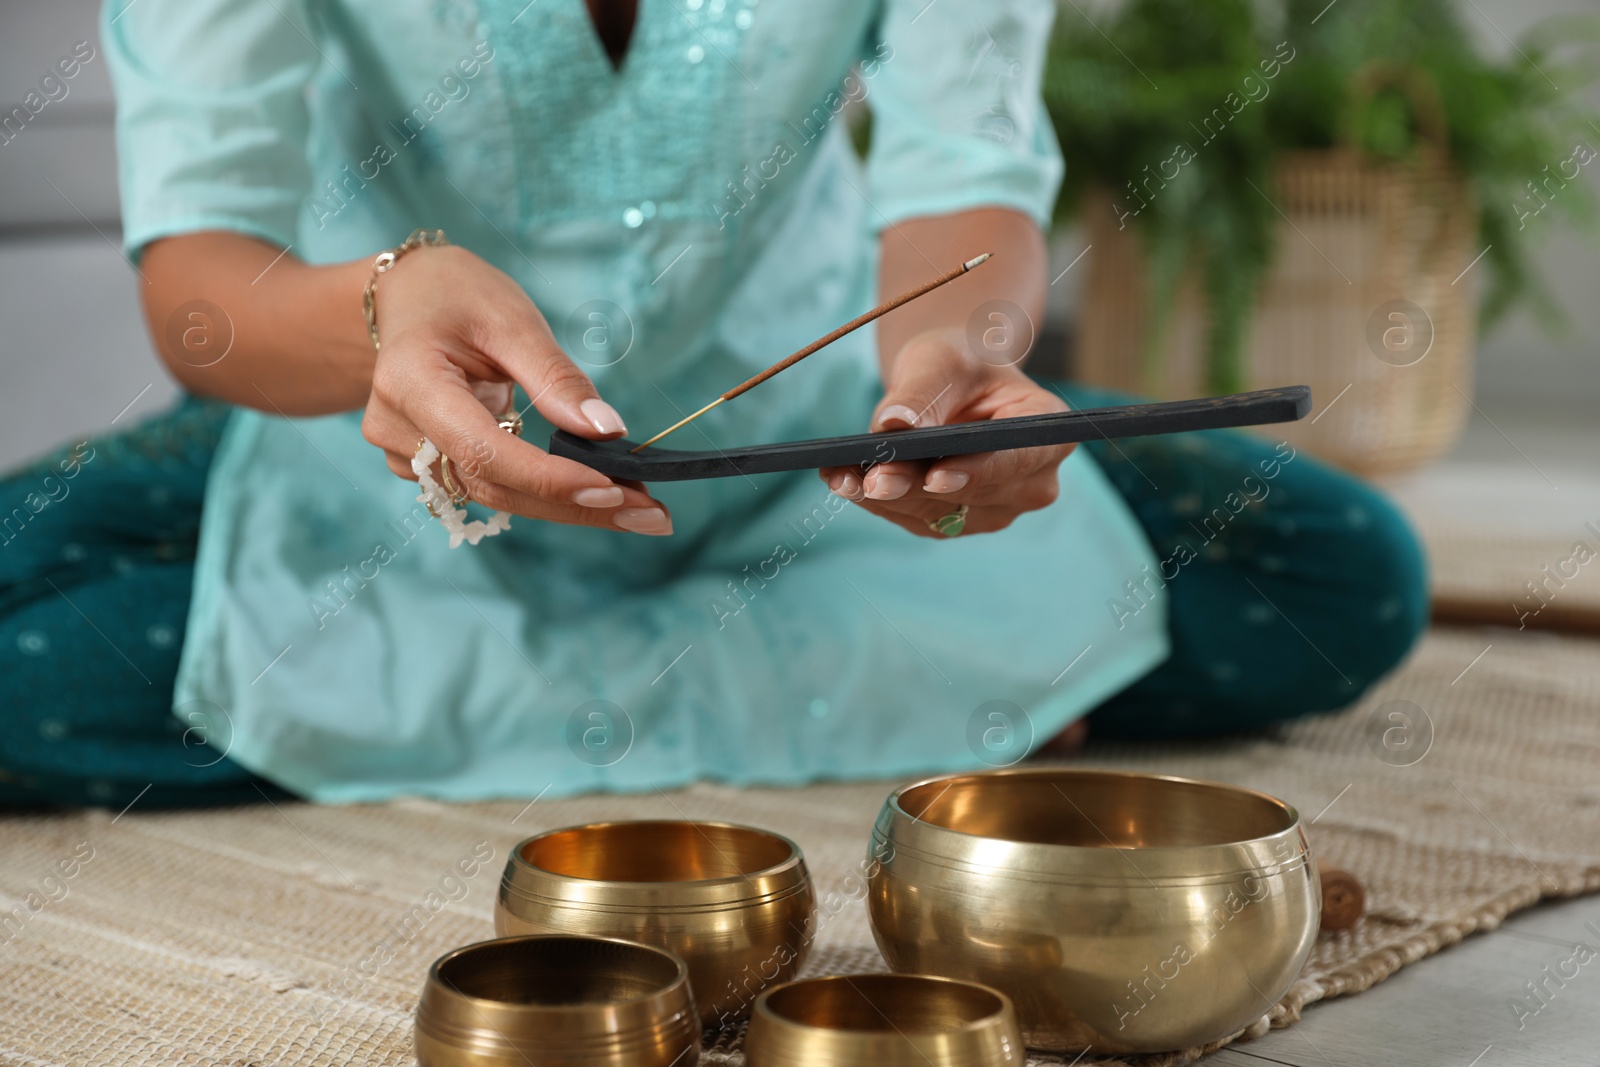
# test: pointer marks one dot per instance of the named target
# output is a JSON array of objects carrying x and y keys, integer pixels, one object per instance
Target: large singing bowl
[{"x": 1123, "y": 912}]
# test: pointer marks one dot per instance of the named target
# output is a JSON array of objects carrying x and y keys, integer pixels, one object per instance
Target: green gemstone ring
[{"x": 952, "y": 524}]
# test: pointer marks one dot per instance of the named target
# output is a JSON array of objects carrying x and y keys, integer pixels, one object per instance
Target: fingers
[
  {"x": 461, "y": 335},
  {"x": 501, "y": 471},
  {"x": 496, "y": 397},
  {"x": 435, "y": 398},
  {"x": 917, "y": 518},
  {"x": 449, "y": 303},
  {"x": 559, "y": 390},
  {"x": 930, "y": 381},
  {"x": 934, "y": 382},
  {"x": 894, "y": 480},
  {"x": 978, "y": 478},
  {"x": 1025, "y": 476},
  {"x": 929, "y": 387},
  {"x": 1022, "y": 478},
  {"x": 400, "y": 466},
  {"x": 1036, "y": 489},
  {"x": 996, "y": 486}
]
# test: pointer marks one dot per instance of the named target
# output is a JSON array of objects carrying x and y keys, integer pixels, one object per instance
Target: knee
[{"x": 1378, "y": 576}]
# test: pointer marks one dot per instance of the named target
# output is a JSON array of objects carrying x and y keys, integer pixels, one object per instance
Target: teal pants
[{"x": 1290, "y": 589}]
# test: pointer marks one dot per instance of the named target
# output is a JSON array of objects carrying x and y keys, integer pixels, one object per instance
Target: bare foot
[{"x": 1067, "y": 743}]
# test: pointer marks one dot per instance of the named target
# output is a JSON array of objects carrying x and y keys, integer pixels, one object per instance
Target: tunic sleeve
[
  {"x": 958, "y": 121},
  {"x": 212, "y": 115}
]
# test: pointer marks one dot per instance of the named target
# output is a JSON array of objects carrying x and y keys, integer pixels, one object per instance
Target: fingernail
[
  {"x": 608, "y": 497},
  {"x": 945, "y": 481},
  {"x": 602, "y": 416},
  {"x": 897, "y": 413},
  {"x": 496, "y": 396},
  {"x": 888, "y": 486},
  {"x": 643, "y": 520},
  {"x": 847, "y": 485}
]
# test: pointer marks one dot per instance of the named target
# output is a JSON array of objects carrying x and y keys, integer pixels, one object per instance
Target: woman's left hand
[{"x": 935, "y": 381}]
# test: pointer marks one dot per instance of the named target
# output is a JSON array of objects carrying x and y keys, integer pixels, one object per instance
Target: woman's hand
[
  {"x": 936, "y": 381},
  {"x": 457, "y": 335}
]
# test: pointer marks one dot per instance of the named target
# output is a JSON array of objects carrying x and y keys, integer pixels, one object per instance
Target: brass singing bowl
[
  {"x": 735, "y": 903},
  {"x": 557, "y": 1002},
  {"x": 883, "y": 1020},
  {"x": 1120, "y": 912}
]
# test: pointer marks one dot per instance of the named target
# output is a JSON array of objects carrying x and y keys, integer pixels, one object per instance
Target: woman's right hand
[{"x": 456, "y": 336}]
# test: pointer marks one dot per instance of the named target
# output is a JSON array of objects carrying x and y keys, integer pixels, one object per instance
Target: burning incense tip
[{"x": 975, "y": 260}]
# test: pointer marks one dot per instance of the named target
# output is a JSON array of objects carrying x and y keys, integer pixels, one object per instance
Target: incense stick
[{"x": 823, "y": 342}]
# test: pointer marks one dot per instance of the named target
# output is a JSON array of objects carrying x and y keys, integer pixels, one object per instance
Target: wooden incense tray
[{"x": 615, "y": 458}]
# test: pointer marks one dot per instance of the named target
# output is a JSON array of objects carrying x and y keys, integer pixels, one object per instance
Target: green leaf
[{"x": 1238, "y": 84}]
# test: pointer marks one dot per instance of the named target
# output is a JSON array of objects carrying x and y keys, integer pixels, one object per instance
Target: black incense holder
[{"x": 615, "y": 458}]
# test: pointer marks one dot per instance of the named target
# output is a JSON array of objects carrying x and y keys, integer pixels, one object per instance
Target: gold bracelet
[{"x": 386, "y": 261}]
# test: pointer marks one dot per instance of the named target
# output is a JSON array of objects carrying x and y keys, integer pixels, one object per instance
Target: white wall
[{"x": 69, "y": 142}]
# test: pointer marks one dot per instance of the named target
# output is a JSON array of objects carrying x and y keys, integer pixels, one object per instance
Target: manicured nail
[
  {"x": 607, "y": 497},
  {"x": 602, "y": 416},
  {"x": 897, "y": 413},
  {"x": 496, "y": 396},
  {"x": 847, "y": 485},
  {"x": 888, "y": 486},
  {"x": 946, "y": 481},
  {"x": 644, "y": 520}
]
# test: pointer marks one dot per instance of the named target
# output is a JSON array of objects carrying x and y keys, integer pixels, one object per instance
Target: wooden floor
[{"x": 1455, "y": 1009}]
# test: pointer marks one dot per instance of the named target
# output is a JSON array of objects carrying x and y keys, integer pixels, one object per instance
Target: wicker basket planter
[{"x": 1365, "y": 302}]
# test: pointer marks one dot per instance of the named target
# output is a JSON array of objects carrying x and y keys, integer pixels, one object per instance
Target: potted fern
[{"x": 1293, "y": 190}]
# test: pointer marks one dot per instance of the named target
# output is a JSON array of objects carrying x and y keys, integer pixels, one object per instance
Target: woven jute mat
[{"x": 293, "y": 934}]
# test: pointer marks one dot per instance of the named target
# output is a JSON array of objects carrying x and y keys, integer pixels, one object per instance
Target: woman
[{"x": 643, "y": 207}]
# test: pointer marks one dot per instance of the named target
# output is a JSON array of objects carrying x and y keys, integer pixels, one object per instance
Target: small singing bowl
[
  {"x": 735, "y": 903},
  {"x": 1127, "y": 912},
  {"x": 557, "y": 1002},
  {"x": 883, "y": 1020}
]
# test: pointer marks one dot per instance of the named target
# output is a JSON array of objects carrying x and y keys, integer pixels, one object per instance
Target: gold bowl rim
[
  {"x": 1291, "y": 813},
  {"x": 763, "y": 1010},
  {"x": 614, "y": 888},
  {"x": 433, "y": 982}
]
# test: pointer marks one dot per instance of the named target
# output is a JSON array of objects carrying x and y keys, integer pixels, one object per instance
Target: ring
[
  {"x": 458, "y": 495},
  {"x": 950, "y": 525},
  {"x": 511, "y": 422}
]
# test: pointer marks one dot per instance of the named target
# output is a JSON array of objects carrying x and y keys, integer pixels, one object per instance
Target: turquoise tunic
[{"x": 681, "y": 222}]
